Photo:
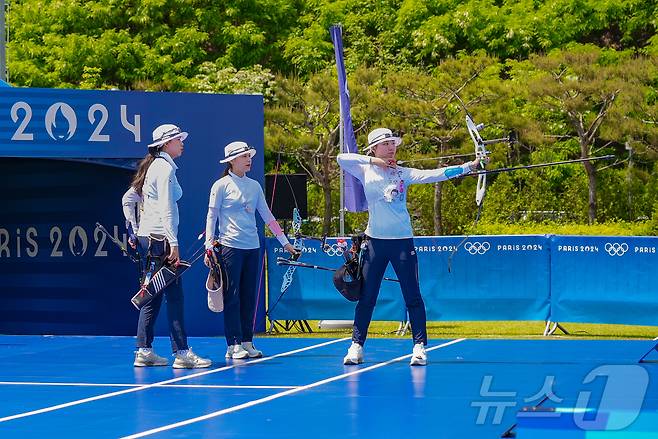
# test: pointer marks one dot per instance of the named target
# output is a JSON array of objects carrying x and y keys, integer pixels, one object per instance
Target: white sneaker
[
  {"x": 189, "y": 360},
  {"x": 354, "y": 354},
  {"x": 251, "y": 349},
  {"x": 236, "y": 352},
  {"x": 419, "y": 356},
  {"x": 145, "y": 357}
]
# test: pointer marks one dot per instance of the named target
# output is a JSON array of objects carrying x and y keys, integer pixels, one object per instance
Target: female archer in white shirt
[
  {"x": 234, "y": 201},
  {"x": 389, "y": 234},
  {"x": 156, "y": 190}
]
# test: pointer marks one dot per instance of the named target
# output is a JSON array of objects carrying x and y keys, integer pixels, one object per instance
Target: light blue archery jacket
[
  {"x": 386, "y": 192},
  {"x": 234, "y": 202}
]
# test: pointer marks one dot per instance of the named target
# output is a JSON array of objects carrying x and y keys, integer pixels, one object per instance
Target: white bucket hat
[
  {"x": 237, "y": 149},
  {"x": 379, "y": 135},
  {"x": 165, "y": 133},
  {"x": 215, "y": 288}
]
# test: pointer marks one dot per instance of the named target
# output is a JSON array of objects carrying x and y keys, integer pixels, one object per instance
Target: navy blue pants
[
  {"x": 402, "y": 255},
  {"x": 149, "y": 313},
  {"x": 241, "y": 271}
]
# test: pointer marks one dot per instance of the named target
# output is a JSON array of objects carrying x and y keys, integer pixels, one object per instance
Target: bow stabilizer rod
[
  {"x": 133, "y": 257},
  {"x": 543, "y": 165},
  {"x": 291, "y": 263}
]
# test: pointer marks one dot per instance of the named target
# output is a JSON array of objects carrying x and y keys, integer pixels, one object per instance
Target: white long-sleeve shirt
[
  {"x": 131, "y": 203},
  {"x": 386, "y": 192},
  {"x": 234, "y": 201},
  {"x": 161, "y": 192}
]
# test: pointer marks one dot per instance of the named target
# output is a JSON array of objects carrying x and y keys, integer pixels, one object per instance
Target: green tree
[
  {"x": 592, "y": 94},
  {"x": 303, "y": 123},
  {"x": 426, "y": 108},
  {"x": 148, "y": 44}
]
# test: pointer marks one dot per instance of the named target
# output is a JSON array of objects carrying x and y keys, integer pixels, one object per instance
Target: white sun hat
[
  {"x": 237, "y": 149},
  {"x": 379, "y": 135},
  {"x": 166, "y": 132},
  {"x": 215, "y": 288}
]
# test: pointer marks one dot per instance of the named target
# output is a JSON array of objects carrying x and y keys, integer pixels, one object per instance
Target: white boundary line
[
  {"x": 280, "y": 394},
  {"x": 162, "y": 383},
  {"x": 186, "y": 386}
]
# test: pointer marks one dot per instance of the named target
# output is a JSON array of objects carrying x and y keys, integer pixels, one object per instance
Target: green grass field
[{"x": 506, "y": 329}]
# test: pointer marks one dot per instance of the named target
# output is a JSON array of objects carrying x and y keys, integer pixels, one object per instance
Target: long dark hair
[
  {"x": 140, "y": 175},
  {"x": 228, "y": 168}
]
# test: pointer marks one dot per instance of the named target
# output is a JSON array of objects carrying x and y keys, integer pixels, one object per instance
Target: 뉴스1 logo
[
  {"x": 616, "y": 249},
  {"x": 477, "y": 248}
]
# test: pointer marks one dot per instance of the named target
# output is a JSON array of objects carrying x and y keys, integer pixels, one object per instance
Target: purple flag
[{"x": 355, "y": 198}]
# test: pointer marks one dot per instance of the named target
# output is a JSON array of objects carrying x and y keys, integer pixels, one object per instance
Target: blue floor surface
[{"x": 87, "y": 387}]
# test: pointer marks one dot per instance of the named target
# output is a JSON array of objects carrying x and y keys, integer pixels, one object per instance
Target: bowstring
[{"x": 262, "y": 266}]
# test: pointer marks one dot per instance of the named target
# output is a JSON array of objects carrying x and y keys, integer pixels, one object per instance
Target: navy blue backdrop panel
[
  {"x": 80, "y": 123},
  {"x": 599, "y": 279},
  {"x": 58, "y": 275},
  {"x": 73, "y": 125},
  {"x": 491, "y": 278},
  {"x": 212, "y": 121}
]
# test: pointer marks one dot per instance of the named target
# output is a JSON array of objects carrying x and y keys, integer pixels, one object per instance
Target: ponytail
[
  {"x": 138, "y": 180},
  {"x": 228, "y": 168}
]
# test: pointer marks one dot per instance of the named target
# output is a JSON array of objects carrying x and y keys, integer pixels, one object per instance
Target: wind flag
[{"x": 355, "y": 198}]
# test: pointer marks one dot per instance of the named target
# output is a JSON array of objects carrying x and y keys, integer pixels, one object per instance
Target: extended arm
[
  {"x": 420, "y": 176},
  {"x": 353, "y": 163}
]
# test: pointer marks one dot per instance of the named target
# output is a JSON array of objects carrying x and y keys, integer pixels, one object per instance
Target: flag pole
[
  {"x": 341, "y": 212},
  {"x": 352, "y": 196},
  {"x": 342, "y": 183}
]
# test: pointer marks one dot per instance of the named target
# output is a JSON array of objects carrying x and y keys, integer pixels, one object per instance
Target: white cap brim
[
  {"x": 251, "y": 152},
  {"x": 182, "y": 136},
  {"x": 397, "y": 140}
]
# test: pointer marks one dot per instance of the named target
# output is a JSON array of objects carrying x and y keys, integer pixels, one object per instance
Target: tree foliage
[{"x": 567, "y": 78}]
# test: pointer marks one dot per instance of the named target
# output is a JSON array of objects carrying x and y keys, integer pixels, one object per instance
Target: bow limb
[
  {"x": 480, "y": 153},
  {"x": 481, "y": 188},
  {"x": 287, "y": 278},
  {"x": 298, "y": 244}
]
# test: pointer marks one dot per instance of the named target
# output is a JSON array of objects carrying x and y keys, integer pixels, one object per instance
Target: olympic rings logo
[
  {"x": 334, "y": 249},
  {"x": 477, "y": 248},
  {"x": 616, "y": 249}
]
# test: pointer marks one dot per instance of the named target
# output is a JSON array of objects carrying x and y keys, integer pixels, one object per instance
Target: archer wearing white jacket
[
  {"x": 156, "y": 188},
  {"x": 389, "y": 236},
  {"x": 234, "y": 201}
]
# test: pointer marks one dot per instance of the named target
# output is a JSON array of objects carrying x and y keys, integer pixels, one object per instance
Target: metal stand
[
  {"x": 403, "y": 327},
  {"x": 644, "y": 357},
  {"x": 551, "y": 327},
  {"x": 289, "y": 325},
  {"x": 335, "y": 324},
  {"x": 510, "y": 433}
]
